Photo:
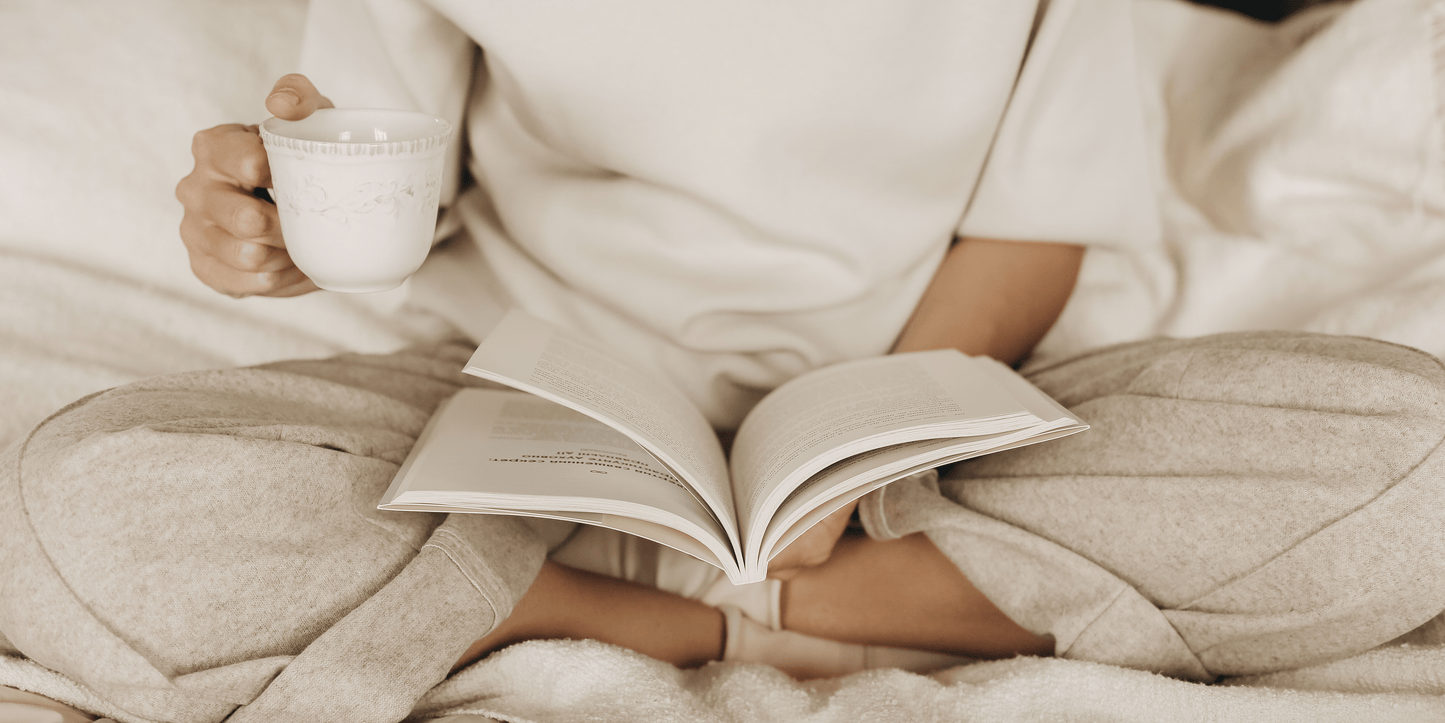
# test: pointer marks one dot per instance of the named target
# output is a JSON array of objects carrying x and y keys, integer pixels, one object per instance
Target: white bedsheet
[
  {"x": 1301, "y": 189},
  {"x": 1300, "y": 180},
  {"x": 98, "y": 103}
]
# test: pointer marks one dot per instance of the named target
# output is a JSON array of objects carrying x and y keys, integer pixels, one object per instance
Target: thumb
[{"x": 294, "y": 98}]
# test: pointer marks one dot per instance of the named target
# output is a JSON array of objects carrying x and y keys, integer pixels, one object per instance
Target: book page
[
  {"x": 839, "y": 411},
  {"x": 856, "y": 476},
  {"x": 529, "y": 354},
  {"x": 661, "y": 534},
  {"x": 510, "y": 451},
  {"x": 1031, "y": 397}
]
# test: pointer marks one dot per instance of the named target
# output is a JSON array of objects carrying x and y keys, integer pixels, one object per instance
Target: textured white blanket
[
  {"x": 1299, "y": 172},
  {"x": 567, "y": 681}
]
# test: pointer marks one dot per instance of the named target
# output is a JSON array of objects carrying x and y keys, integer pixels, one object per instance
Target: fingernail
[{"x": 285, "y": 94}]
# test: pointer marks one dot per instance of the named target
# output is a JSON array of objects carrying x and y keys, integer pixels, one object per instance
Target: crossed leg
[{"x": 897, "y": 593}]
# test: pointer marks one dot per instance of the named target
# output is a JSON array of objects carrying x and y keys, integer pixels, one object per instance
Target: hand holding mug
[
  {"x": 234, "y": 237},
  {"x": 356, "y": 195}
]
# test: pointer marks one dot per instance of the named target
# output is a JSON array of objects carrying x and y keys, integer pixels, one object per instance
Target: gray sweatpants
[
  {"x": 1242, "y": 503},
  {"x": 202, "y": 541}
]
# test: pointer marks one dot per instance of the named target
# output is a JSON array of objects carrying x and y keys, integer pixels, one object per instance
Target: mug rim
[{"x": 272, "y": 135}]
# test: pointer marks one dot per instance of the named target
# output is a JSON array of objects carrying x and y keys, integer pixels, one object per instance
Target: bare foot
[{"x": 901, "y": 593}]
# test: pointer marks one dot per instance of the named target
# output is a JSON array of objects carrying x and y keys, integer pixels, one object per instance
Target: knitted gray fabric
[
  {"x": 197, "y": 542},
  {"x": 1242, "y": 503}
]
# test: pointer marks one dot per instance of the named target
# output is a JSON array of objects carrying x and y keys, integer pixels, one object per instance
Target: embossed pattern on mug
[{"x": 358, "y": 210}]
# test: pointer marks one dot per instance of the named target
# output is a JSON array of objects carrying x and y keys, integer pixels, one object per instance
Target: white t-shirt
[{"x": 732, "y": 192}]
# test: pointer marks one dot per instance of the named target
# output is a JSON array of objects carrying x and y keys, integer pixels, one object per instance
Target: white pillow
[{"x": 1300, "y": 179}]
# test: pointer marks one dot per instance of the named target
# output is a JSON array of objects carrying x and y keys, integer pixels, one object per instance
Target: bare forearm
[{"x": 994, "y": 298}]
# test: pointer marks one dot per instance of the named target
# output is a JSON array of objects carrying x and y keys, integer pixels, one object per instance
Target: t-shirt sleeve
[
  {"x": 1070, "y": 162},
  {"x": 399, "y": 54}
]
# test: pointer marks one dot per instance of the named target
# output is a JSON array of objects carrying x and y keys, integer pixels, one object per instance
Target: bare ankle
[{"x": 567, "y": 603}]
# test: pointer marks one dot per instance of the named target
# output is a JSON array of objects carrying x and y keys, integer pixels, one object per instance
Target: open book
[{"x": 591, "y": 439}]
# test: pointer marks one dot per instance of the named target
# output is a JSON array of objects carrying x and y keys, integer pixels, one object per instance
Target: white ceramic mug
[{"x": 357, "y": 190}]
